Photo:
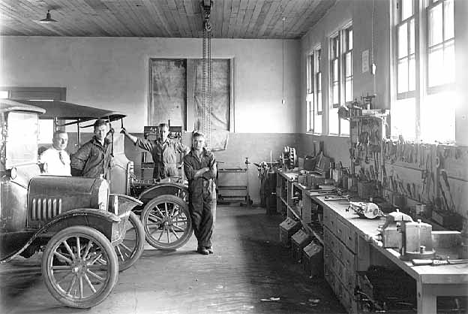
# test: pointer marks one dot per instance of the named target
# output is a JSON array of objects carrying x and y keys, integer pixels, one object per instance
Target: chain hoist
[{"x": 207, "y": 102}]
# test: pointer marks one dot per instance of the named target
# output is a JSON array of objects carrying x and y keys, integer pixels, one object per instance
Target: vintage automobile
[
  {"x": 164, "y": 211},
  {"x": 76, "y": 222}
]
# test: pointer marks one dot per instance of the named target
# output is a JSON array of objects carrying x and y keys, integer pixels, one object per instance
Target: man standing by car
[
  {"x": 200, "y": 170},
  {"x": 94, "y": 158},
  {"x": 163, "y": 151},
  {"x": 55, "y": 160}
]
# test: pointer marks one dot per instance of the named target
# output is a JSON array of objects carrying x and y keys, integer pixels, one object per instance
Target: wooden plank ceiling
[{"x": 259, "y": 19}]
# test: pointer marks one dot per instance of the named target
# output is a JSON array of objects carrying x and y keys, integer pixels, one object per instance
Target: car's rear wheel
[
  {"x": 80, "y": 267},
  {"x": 132, "y": 246},
  {"x": 167, "y": 222}
]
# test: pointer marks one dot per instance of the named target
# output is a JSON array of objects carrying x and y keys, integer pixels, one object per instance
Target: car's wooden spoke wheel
[
  {"x": 167, "y": 222},
  {"x": 80, "y": 267},
  {"x": 132, "y": 246}
]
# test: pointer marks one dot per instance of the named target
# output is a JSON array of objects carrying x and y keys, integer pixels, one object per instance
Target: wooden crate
[
  {"x": 287, "y": 228},
  {"x": 298, "y": 242},
  {"x": 312, "y": 259}
]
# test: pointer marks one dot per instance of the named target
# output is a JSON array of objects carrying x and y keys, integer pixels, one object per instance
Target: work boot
[{"x": 203, "y": 251}]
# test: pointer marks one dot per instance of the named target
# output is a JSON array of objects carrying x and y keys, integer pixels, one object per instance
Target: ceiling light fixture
[{"x": 48, "y": 19}]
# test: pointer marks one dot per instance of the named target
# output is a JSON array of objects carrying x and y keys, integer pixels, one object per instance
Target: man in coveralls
[
  {"x": 163, "y": 151},
  {"x": 200, "y": 170},
  {"x": 94, "y": 158}
]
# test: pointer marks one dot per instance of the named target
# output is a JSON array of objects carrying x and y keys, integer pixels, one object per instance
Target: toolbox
[
  {"x": 312, "y": 259},
  {"x": 298, "y": 241},
  {"x": 287, "y": 228}
]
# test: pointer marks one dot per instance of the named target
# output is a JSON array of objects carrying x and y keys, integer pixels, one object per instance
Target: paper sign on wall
[{"x": 365, "y": 61}]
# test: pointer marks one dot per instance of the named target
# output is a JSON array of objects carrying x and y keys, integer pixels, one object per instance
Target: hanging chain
[
  {"x": 210, "y": 96},
  {"x": 204, "y": 78},
  {"x": 207, "y": 102}
]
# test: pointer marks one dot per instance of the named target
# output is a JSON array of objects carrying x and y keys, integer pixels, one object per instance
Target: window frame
[
  {"x": 314, "y": 91},
  {"x": 448, "y": 85},
  {"x": 422, "y": 92},
  {"x": 339, "y": 47},
  {"x": 399, "y": 23}
]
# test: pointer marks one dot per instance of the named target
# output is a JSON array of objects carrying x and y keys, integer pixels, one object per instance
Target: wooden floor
[{"x": 249, "y": 272}]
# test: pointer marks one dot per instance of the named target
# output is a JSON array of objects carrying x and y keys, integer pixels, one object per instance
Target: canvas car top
[{"x": 69, "y": 111}]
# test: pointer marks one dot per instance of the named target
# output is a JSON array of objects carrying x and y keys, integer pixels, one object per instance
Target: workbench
[{"x": 350, "y": 246}]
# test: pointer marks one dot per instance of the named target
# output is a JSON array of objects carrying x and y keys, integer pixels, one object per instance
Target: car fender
[
  {"x": 103, "y": 221},
  {"x": 162, "y": 189}
]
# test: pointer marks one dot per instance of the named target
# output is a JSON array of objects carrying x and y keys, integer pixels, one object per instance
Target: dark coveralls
[
  {"x": 202, "y": 195},
  {"x": 164, "y": 155},
  {"x": 93, "y": 159}
]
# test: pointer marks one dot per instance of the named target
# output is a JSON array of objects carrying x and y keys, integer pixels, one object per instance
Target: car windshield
[{"x": 21, "y": 143}]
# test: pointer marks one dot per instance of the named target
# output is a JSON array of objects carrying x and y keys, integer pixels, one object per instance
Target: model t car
[
  {"x": 164, "y": 212},
  {"x": 77, "y": 223}
]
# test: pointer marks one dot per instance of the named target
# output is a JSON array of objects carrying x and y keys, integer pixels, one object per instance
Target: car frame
[
  {"x": 164, "y": 212},
  {"x": 76, "y": 222}
]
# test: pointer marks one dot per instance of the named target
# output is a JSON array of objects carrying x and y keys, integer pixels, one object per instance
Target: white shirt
[{"x": 56, "y": 162}]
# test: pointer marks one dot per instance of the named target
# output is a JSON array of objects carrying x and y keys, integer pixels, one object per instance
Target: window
[
  {"x": 341, "y": 78},
  {"x": 314, "y": 92},
  {"x": 425, "y": 70}
]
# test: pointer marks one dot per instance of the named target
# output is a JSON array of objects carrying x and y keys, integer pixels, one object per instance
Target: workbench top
[{"x": 368, "y": 230}]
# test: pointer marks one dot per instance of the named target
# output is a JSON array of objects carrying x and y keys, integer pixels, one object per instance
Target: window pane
[
  {"x": 333, "y": 121},
  {"x": 310, "y": 73},
  {"x": 310, "y": 112},
  {"x": 319, "y": 102},
  {"x": 344, "y": 127},
  {"x": 319, "y": 58},
  {"x": 335, "y": 70},
  {"x": 449, "y": 62},
  {"x": 403, "y": 75},
  {"x": 438, "y": 109},
  {"x": 435, "y": 25},
  {"x": 406, "y": 9},
  {"x": 349, "y": 89},
  {"x": 348, "y": 64},
  {"x": 435, "y": 66},
  {"x": 412, "y": 73},
  {"x": 350, "y": 39},
  {"x": 403, "y": 116},
  {"x": 335, "y": 94},
  {"x": 335, "y": 47},
  {"x": 4, "y": 94},
  {"x": 402, "y": 40},
  {"x": 448, "y": 19},
  {"x": 412, "y": 40},
  {"x": 318, "y": 124}
]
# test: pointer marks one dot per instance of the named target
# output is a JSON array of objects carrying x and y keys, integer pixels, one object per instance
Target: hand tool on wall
[
  {"x": 443, "y": 196},
  {"x": 445, "y": 178}
]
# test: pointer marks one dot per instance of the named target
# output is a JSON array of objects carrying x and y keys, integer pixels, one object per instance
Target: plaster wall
[{"x": 113, "y": 73}]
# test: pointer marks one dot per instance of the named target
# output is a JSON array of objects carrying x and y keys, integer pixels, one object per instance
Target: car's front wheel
[{"x": 80, "y": 267}]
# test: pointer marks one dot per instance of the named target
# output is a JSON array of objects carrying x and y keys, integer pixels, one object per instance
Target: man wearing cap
[{"x": 94, "y": 158}]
